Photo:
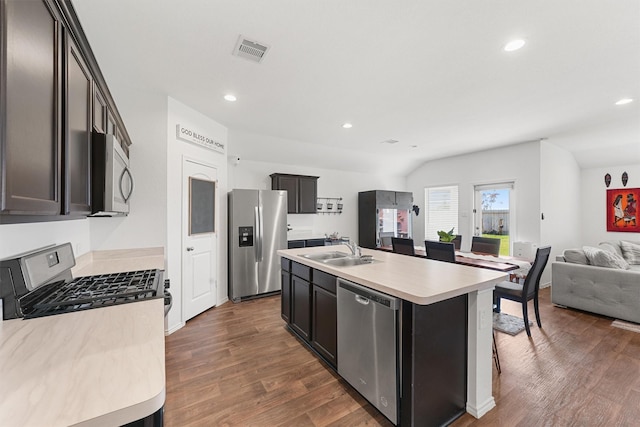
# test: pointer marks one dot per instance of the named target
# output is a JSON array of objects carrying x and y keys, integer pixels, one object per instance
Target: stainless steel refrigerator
[{"x": 257, "y": 229}]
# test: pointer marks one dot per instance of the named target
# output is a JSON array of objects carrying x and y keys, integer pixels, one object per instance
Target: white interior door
[{"x": 200, "y": 206}]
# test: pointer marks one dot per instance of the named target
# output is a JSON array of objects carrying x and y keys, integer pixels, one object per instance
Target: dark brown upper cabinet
[
  {"x": 52, "y": 95},
  {"x": 31, "y": 108},
  {"x": 77, "y": 147},
  {"x": 99, "y": 111},
  {"x": 302, "y": 191}
]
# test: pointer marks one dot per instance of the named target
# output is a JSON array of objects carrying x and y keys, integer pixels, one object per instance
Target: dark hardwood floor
[{"x": 237, "y": 365}]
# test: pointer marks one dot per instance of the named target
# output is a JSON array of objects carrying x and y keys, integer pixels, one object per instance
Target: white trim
[{"x": 479, "y": 411}]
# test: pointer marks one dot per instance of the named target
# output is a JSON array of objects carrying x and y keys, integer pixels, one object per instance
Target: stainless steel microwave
[{"x": 111, "y": 178}]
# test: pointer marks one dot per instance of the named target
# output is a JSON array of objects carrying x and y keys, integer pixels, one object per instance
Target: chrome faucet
[{"x": 355, "y": 249}]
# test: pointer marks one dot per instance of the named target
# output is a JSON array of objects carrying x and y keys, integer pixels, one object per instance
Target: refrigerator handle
[{"x": 258, "y": 242}]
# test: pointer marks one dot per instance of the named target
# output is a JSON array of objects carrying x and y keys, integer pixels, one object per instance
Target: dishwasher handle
[
  {"x": 362, "y": 294},
  {"x": 362, "y": 300}
]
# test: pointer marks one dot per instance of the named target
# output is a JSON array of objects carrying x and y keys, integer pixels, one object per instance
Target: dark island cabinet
[
  {"x": 285, "y": 296},
  {"x": 302, "y": 191},
  {"x": 30, "y": 109},
  {"x": 324, "y": 311},
  {"x": 52, "y": 95},
  {"x": 309, "y": 306},
  {"x": 301, "y": 306}
]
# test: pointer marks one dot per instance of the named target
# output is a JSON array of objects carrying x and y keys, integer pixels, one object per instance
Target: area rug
[
  {"x": 626, "y": 325},
  {"x": 512, "y": 325}
]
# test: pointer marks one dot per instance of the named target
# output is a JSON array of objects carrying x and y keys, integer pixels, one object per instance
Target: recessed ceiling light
[
  {"x": 624, "y": 101},
  {"x": 347, "y": 125},
  {"x": 514, "y": 45},
  {"x": 230, "y": 98}
]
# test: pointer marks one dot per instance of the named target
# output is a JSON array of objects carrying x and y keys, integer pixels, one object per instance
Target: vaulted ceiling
[{"x": 431, "y": 75}]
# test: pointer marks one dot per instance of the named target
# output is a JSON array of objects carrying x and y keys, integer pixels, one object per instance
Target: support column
[{"x": 479, "y": 357}]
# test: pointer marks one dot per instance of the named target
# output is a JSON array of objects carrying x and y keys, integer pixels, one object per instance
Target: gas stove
[{"x": 40, "y": 284}]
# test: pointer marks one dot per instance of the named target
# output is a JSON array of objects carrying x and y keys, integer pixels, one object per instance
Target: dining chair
[
  {"x": 402, "y": 246},
  {"x": 457, "y": 241},
  {"x": 487, "y": 245},
  {"x": 526, "y": 291},
  {"x": 440, "y": 251},
  {"x": 496, "y": 356}
]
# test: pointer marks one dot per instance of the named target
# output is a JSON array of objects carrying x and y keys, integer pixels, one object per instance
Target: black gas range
[{"x": 40, "y": 283}]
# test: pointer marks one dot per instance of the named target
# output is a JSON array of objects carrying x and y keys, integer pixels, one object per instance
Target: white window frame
[{"x": 439, "y": 217}]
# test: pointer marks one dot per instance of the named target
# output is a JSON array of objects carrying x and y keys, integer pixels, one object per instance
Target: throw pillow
[
  {"x": 609, "y": 247},
  {"x": 630, "y": 252},
  {"x": 575, "y": 256},
  {"x": 611, "y": 244},
  {"x": 602, "y": 258}
]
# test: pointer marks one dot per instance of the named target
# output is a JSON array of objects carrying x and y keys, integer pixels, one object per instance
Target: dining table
[{"x": 506, "y": 264}]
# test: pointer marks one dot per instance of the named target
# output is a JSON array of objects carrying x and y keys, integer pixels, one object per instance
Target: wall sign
[{"x": 195, "y": 137}]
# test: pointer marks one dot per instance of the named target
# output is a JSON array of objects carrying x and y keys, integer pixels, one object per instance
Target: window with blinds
[{"x": 441, "y": 207}]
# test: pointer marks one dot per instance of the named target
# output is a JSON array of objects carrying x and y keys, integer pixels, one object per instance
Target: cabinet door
[
  {"x": 31, "y": 143},
  {"x": 301, "y": 307},
  {"x": 290, "y": 184},
  {"x": 324, "y": 324},
  {"x": 111, "y": 123},
  {"x": 308, "y": 194},
  {"x": 386, "y": 199},
  {"x": 99, "y": 111},
  {"x": 285, "y": 298},
  {"x": 77, "y": 145},
  {"x": 404, "y": 200}
]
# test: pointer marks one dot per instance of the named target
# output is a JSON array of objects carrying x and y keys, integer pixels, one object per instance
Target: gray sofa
[{"x": 611, "y": 292}]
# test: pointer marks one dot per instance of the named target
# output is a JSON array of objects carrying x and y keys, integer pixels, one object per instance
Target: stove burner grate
[{"x": 89, "y": 292}]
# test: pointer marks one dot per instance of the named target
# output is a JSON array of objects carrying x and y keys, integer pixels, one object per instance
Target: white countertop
[
  {"x": 101, "y": 262},
  {"x": 421, "y": 281},
  {"x": 100, "y": 367}
]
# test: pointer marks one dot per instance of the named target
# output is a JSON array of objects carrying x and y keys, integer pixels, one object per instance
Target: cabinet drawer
[
  {"x": 314, "y": 242},
  {"x": 324, "y": 280},
  {"x": 285, "y": 264},
  {"x": 302, "y": 271},
  {"x": 293, "y": 244}
]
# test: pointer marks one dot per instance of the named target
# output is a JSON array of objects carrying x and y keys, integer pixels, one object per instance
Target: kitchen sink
[
  {"x": 324, "y": 256},
  {"x": 347, "y": 261}
]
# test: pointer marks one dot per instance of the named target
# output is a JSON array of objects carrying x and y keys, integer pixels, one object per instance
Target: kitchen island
[{"x": 444, "y": 326}]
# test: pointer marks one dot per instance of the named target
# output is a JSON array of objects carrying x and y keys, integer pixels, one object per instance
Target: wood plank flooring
[{"x": 237, "y": 365}]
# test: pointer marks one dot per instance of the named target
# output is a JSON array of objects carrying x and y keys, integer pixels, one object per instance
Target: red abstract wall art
[{"x": 622, "y": 208}]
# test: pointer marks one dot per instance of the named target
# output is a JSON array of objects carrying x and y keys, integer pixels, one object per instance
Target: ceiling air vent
[{"x": 250, "y": 49}]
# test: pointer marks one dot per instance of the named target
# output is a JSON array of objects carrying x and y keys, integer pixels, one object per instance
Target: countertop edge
[
  {"x": 490, "y": 280},
  {"x": 129, "y": 414}
]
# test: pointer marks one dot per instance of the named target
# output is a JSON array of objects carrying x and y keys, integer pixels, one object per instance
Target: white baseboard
[
  {"x": 479, "y": 411},
  {"x": 174, "y": 328}
]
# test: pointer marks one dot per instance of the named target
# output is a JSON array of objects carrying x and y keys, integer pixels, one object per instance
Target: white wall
[
  {"x": 179, "y": 113},
  {"x": 19, "y": 238},
  {"x": 331, "y": 183},
  {"x": 559, "y": 199},
  {"x": 145, "y": 116},
  {"x": 517, "y": 163},
  {"x": 594, "y": 198}
]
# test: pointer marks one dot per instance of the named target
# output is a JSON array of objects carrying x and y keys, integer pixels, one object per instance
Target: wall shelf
[{"x": 329, "y": 205}]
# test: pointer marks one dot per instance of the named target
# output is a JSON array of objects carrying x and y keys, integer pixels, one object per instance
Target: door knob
[{"x": 190, "y": 248}]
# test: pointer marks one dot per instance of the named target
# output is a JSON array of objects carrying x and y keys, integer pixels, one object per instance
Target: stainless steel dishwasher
[{"x": 367, "y": 330}]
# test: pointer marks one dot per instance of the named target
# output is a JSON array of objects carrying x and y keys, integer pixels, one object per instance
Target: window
[
  {"x": 494, "y": 213},
  {"x": 441, "y": 207}
]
